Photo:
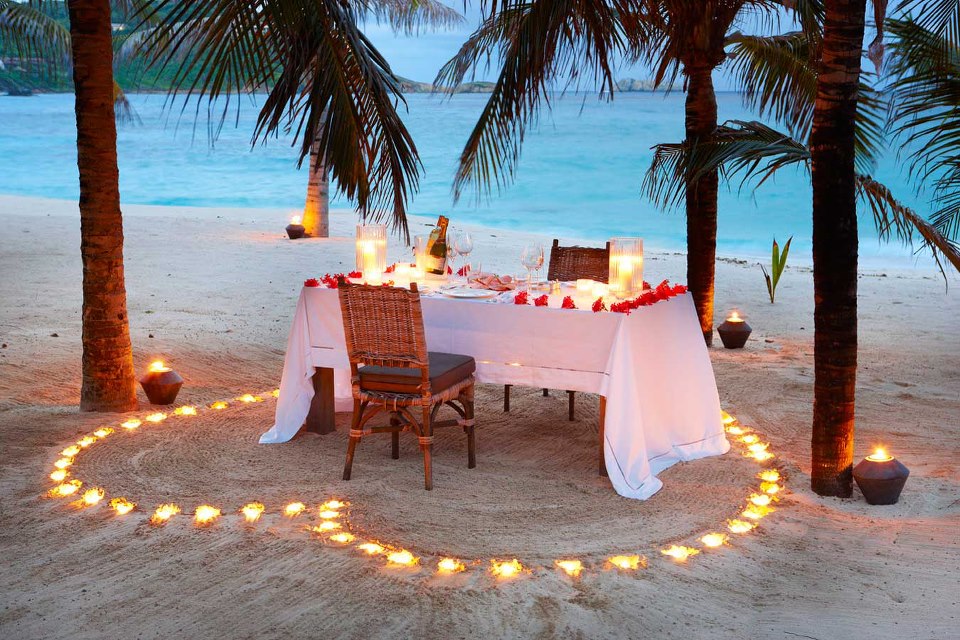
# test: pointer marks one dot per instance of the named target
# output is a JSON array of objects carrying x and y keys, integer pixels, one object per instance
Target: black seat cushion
[{"x": 446, "y": 370}]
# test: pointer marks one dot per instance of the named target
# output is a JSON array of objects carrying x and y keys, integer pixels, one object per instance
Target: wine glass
[
  {"x": 532, "y": 259},
  {"x": 452, "y": 261},
  {"x": 463, "y": 244}
]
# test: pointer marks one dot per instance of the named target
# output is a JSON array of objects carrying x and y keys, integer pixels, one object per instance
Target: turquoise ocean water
[{"x": 580, "y": 174}]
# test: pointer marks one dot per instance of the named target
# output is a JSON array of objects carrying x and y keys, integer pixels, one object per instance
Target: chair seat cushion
[{"x": 446, "y": 370}]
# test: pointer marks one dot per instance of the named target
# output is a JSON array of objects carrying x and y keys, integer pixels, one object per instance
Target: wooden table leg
[
  {"x": 603, "y": 413},
  {"x": 322, "y": 415}
]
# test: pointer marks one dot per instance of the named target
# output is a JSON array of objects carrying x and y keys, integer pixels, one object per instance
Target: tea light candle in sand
[
  {"x": 880, "y": 477},
  {"x": 734, "y": 331},
  {"x": 295, "y": 230},
  {"x": 161, "y": 383}
]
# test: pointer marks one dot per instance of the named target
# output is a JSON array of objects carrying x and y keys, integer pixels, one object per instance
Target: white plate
[{"x": 469, "y": 294}]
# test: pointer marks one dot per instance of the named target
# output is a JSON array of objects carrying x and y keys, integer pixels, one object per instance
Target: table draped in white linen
[{"x": 652, "y": 365}]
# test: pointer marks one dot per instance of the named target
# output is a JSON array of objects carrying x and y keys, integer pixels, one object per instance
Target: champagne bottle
[{"x": 436, "y": 258}]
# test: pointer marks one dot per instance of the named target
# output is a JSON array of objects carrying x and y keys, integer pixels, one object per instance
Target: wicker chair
[
  {"x": 384, "y": 333},
  {"x": 572, "y": 263}
]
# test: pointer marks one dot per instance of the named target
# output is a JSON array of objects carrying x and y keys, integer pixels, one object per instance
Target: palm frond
[
  {"x": 941, "y": 17},
  {"x": 323, "y": 78},
  {"x": 540, "y": 41},
  {"x": 751, "y": 150},
  {"x": 33, "y": 34},
  {"x": 412, "y": 16},
  {"x": 892, "y": 218}
]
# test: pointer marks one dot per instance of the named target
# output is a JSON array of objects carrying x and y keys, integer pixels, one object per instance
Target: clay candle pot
[
  {"x": 161, "y": 383},
  {"x": 880, "y": 477},
  {"x": 734, "y": 331},
  {"x": 295, "y": 230}
]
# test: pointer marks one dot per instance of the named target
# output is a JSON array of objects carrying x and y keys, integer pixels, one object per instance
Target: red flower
[
  {"x": 391, "y": 268},
  {"x": 599, "y": 305},
  {"x": 462, "y": 271},
  {"x": 646, "y": 285},
  {"x": 520, "y": 298},
  {"x": 541, "y": 301},
  {"x": 311, "y": 282},
  {"x": 355, "y": 274},
  {"x": 449, "y": 270},
  {"x": 620, "y": 307},
  {"x": 568, "y": 303}
]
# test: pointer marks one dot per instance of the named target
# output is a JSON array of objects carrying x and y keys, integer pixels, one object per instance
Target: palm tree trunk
[
  {"x": 316, "y": 210},
  {"x": 835, "y": 248},
  {"x": 701, "y": 197},
  {"x": 108, "y": 378}
]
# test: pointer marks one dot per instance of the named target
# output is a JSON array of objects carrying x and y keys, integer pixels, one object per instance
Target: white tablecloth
[{"x": 652, "y": 366}]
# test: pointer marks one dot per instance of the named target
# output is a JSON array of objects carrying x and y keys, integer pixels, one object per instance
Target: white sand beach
[{"x": 212, "y": 291}]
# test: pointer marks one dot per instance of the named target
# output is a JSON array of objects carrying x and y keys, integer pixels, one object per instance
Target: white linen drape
[{"x": 652, "y": 366}]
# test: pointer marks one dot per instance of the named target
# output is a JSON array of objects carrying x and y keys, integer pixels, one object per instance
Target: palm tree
[
  {"x": 316, "y": 209},
  {"x": 811, "y": 80},
  {"x": 324, "y": 80},
  {"x": 108, "y": 378},
  {"x": 542, "y": 41}
]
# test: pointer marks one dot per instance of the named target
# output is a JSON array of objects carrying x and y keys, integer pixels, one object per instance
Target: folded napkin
[{"x": 492, "y": 282}]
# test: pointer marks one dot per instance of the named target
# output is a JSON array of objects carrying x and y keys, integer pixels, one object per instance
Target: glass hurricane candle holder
[
  {"x": 371, "y": 248},
  {"x": 626, "y": 267}
]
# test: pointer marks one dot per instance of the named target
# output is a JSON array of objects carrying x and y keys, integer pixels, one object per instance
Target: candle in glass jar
[
  {"x": 600, "y": 289},
  {"x": 584, "y": 285},
  {"x": 402, "y": 270}
]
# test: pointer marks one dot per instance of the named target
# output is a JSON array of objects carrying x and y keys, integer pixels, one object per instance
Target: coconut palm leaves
[
  {"x": 33, "y": 33},
  {"x": 925, "y": 105},
  {"x": 778, "y": 262},
  {"x": 539, "y": 43},
  {"x": 323, "y": 80}
]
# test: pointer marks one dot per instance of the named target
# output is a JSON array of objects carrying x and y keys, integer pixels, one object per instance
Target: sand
[{"x": 213, "y": 291}]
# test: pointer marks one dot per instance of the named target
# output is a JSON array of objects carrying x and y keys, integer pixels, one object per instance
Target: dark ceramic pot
[
  {"x": 734, "y": 334},
  {"x": 161, "y": 387},
  {"x": 881, "y": 481},
  {"x": 295, "y": 231}
]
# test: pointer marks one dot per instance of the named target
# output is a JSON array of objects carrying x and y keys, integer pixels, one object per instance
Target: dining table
[{"x": 650, "y": 367}]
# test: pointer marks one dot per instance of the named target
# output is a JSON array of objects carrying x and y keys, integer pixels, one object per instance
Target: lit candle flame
[
  {"x": 761, "y": 499},
  {"x": 371, "y": 548},
  {"x": 59, "y": 475},
  {"x": 342, "y": 538},
  {"x": 403, "y": 558},
  {"x": 769, "y": 475},
  {"x": 771, "y": 488},
  {"x": 275, "y": 393},
  {"x": 326, "y": 525},
  {"x": 714, "y": 540},
  {"x": 880, "y": 455},
  {"x": 333, "y": 504},
  {"x": 740, "y": 526},
  {"x": 205, "y": 514},
  {"x": 627, "y": 562},
  {"x": 185, "y": 410},
  {"x": 249, "y": 397},
  {"x": 131, "y": 424},
  {"x": 252, "y": 511},
  {"x": 92, "y": 496},
  {"x": 756, "y": 512},
  {"x": 735, "y": 430},
  {"x": 294, "y": 509},
  {"x": 156, "y": 417},
  {"x": 329, "y": 514},
  {"x": 679, "y": 553},
  {"x": 70, "y": 451},
  {"x": 65, "y": 489},
  {"x": 103, "y": 432},
  {"x": 164, "y": 512},
  {"x": 750, "y": 439},
  {"x": 757, "y": 447},
  {"x": 760, "y": 456},
  {"x": 296, "y": 219},
  {"x": 157, "y": 366},
  {"x": 726, "y": 418},
  {"x": 63, "y": 463},
  {"x": 572, "y": 568},
  {"x": 506, "y": 569},
  {"x": 219, "y": 404},
  {"x": 734, "y": 317},
  {"x": 450, "y": 565},
  {"x": 86, "y": 441},
  {"x": 122, "y": 506}
]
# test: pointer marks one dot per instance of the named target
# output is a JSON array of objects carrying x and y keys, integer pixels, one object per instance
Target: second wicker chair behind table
[
  {"x": 392, "y": 371},
  {"x": 566, "y": 264}
]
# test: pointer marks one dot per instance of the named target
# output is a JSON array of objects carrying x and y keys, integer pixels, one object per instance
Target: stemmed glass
[
  {"x": 463, "y": 244},
  {"x": 532, "y": 259}
]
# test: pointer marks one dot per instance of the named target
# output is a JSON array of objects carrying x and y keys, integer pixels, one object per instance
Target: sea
[{"x": 580, "y": 174}]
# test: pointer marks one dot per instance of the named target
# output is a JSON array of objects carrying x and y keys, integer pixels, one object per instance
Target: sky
[{"x": 420, "y": 57}]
